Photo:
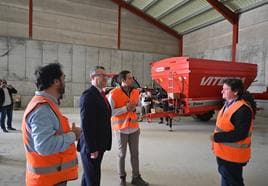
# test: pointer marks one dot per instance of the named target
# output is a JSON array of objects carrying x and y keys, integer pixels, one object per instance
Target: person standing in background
[
  {"x": 231, "y": 140},
  {"x": 48, "y": 139},
  {"x": 124, "y": 100},
  {"x": 6, "y": 104},
  {"x": 96, "y": 136},
  {"x": 146, "y": 102}
]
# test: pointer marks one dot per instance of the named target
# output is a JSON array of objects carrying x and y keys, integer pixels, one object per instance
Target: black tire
[{"x": 204, "y": 117}]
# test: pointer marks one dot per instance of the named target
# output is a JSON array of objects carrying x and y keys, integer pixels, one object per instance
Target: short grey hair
[{"x": 94, "y": 69}]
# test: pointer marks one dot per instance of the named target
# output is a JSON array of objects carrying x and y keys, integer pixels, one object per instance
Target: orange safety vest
[
  {"x": 48, "y": 170},
  {"x": 239, "y": 151},
  {"x": 127, "y": 119}
]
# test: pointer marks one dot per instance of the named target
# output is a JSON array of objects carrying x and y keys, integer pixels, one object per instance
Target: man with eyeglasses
[
  {"x": 96, "y": 136},
  {"x": 48, "y": 138},
  {"x": 6, "y": 104}
]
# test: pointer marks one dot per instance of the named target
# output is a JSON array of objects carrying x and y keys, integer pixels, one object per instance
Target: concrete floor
[{"x": 179, "y": 158}]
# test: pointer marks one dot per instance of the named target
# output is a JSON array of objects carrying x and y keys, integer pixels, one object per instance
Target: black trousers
[
  {"x": 92, "y": 169},
  {"x": 231, "y": 173},
  {"x": 6, "y": 111}
]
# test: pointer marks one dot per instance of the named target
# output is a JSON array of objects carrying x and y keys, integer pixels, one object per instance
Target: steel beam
[
  {"x": 152, "y": 3},
  {"x": 253, "y": 6},
  {"x": 190, "y": 16},
  {"x": 180, "y": 4},
  {"x": 223, "y": 10},
  {"x": 148, "y": 18},
  {"x": 203, "y": 25}
]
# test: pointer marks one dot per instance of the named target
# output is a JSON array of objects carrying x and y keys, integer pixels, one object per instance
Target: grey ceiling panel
[{"x": 185, "y": 16}]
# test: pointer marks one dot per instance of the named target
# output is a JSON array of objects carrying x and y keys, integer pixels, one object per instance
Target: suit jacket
[{"x": 95, "y": 116}]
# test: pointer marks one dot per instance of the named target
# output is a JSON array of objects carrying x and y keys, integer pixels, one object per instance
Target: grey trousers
[{"x": 133, "y": 141}]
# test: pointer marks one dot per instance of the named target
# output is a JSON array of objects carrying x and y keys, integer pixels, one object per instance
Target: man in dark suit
[{"x": 96, "y": 136}]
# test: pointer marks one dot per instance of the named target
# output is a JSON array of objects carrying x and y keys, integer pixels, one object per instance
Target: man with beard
[
  {"x": 124, "y": 100},
  {"x": 47, "y": 136}
]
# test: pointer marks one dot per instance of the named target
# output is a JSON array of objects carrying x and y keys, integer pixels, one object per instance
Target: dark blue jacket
[{"x": 95, "y": 122}]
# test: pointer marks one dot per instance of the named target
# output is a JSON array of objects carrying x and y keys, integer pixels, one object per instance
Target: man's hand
[
  {"x": 76, "y": 130},
  {"x": 94, "y": 155},
  {"x": 9, "y": 86},
  {"x": 131, "y": 107},
  {"x": 212, "y": 137}
]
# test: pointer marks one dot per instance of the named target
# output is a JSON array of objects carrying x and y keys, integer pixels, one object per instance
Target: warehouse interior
[{"x": 131, "y": 34}]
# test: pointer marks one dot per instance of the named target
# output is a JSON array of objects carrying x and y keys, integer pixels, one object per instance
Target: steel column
[
  {"x": 180, "y": 42},
  {"x": 151, "y": 20},
  {"x": 119, "y": 28},
  {"x": 232, "y": 18},
  {"x": 235, "y": 41},
  {"x": 30, "y": 19}
]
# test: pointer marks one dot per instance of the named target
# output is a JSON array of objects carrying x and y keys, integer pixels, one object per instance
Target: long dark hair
[{"x": 236, "y": 85}]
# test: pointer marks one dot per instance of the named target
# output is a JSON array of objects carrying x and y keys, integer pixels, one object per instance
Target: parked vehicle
[{"x": 194, "y": 85}]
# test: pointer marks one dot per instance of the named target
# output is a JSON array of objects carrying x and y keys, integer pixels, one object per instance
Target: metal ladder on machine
[{"x": 171, "y": 89}]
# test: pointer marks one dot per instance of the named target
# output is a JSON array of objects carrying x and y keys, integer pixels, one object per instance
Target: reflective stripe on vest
[
  {"x": 217, "y": 129},
  {"x": 52, "y": 169},
  {"x": 127, "y": 119},
  {"x": 121, "y": 121},
  {"x": 239, "y": 151},
  {"x": 234, "y": 145},
  {"x": 28, "y": 148}
]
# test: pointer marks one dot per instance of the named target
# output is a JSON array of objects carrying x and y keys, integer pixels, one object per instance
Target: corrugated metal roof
[{"x": 185, "y": 16}]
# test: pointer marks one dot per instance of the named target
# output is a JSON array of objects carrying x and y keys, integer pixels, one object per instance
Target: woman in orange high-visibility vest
[{"x": 231, "y": 140}]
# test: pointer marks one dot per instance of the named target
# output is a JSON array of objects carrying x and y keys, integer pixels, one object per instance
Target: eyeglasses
[{"x": 100, "y": 75}]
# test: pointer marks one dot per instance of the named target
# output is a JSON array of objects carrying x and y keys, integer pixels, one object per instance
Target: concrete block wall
[
  {"x": 84, "y": 22},
  {"x": 79, "y": 34},
  {"x": 14, "y": 18},
  {"x": 19, "y": 58},
  {"x": 215, "y": 42},
  {"x": 137, "y": 33}
]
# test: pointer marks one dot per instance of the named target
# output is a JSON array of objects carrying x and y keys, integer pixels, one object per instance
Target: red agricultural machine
[{"x": 194, "y": 85}]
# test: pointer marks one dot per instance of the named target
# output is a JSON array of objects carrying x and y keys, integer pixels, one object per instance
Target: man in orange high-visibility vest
[
  {"x": 231, "y": 140},
  {"x": 47, "y": 136},
  {"x": 123, "y": 101}
]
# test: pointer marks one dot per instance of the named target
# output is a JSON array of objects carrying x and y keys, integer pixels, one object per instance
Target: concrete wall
[
  {"x": 78, "y": 34},
  {"x": 84, "y": 22},
  {"x": 19, "y": 58},
  {"x": 138, "y": 34},
  {"x": 215, "y": 42}
]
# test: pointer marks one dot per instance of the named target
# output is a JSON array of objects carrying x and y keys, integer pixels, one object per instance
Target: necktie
[{"x": 105, "y": 99}]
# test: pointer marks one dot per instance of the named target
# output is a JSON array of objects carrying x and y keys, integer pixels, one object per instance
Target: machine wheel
[{"x": 204, "y": 117}]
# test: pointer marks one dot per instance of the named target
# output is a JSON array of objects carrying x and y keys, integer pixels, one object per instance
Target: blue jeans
[
  {"x": 231, "y": 173},
  {"x": 6, "y": 111}
]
